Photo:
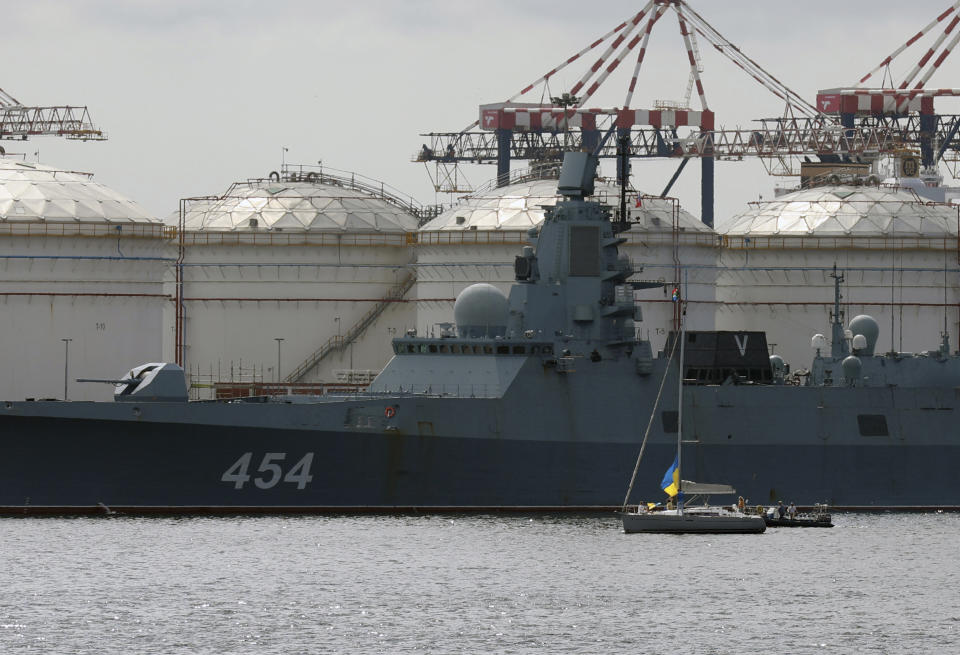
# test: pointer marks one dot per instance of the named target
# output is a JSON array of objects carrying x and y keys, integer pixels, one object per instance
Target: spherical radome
[
  {"x": 35, "y": 192},
  {"x": 869, "y": 328},
  {"x": 481, "y": 311}
]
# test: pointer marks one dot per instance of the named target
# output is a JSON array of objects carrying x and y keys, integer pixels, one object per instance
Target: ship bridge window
[
  {"x": 443, "y": 348},
  {"x": 423, "y": 347},
  {"x": 454, "y": 348},
  {"x": 488, "y": 350},
  {"x": 872, "y": 425},
  {"x": 433, "y": 348},
  {"x": 548, "y": 350},
  {"x": 519, "y": 350},
  {"x": 534, "y": 350},
  {"x": 411, "y": 348},
  {"x": 503, "y": 350}
]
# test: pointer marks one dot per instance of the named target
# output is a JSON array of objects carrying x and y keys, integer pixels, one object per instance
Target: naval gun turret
[{"x": 154, "y": 382}]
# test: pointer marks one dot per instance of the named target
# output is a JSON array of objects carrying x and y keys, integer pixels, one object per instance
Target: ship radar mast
[{"x": 838, "y": 347}]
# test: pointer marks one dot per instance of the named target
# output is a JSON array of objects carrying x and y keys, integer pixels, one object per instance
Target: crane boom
[{"x": 19, "y": 121}]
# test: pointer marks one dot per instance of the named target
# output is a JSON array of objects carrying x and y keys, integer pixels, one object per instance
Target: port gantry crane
[
  {"x": 18, "y": 121},
  {"x": 903, "y": 111},
  {"x": 542, "y": 131}
]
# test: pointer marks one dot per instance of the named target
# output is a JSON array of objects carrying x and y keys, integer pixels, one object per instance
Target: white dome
[
  {"x": 844, "y": 211},
  {"x": 481, "y": 310},
  {"x": 34, "y": 192},
  {"x": 518, "y": 207},
  {"x": 297, "y": 206}
]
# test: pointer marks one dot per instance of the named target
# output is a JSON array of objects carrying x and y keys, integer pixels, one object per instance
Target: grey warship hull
[
  {"x": 479, "y": 453},
  {"x": 539, "y": 401}
]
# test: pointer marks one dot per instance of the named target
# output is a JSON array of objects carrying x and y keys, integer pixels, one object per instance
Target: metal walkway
[{"x": 338, "y": 342}]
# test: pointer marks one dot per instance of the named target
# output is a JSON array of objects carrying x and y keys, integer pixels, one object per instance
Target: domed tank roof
[
  {"x": 518, "y": 207},
  {"x": 302, "y": 203},
  {"x": 481, "y": 311},
  {"x": 34, "y": 192},
  {"x": 844, "y": 211}
]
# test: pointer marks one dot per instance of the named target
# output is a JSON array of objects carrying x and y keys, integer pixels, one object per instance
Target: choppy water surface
[{"x": 470, "y": 584}]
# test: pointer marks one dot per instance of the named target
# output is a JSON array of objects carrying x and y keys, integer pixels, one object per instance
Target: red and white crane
[
  {"x": 899, "y": 107},
  {"x": 514, "y": 129}
]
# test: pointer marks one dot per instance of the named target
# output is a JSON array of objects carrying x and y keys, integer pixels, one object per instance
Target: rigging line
[
  {"x": 755, "y": 70},
  {"x": 653, "y": 413}
]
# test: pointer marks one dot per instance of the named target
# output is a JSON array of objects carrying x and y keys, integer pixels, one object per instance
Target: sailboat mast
[{"x": 683, "y": 341}]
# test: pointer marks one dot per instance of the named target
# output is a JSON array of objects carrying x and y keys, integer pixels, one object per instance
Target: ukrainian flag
[{"x": 671, "y": 479}]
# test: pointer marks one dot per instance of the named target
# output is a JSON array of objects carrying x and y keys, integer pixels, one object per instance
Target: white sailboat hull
[{"x": 713, "y": 522}]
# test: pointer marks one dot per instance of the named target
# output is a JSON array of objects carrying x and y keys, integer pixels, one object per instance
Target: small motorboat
[{"x": 819, "y": 517}]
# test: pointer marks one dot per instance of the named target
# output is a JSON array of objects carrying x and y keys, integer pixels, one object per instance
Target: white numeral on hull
[{"x": 270, "y": 470}]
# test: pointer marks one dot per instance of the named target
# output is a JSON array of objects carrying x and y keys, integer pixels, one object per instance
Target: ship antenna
[
  {"x": 839, "y": 346},
  {"x": 623, "y": 159}
]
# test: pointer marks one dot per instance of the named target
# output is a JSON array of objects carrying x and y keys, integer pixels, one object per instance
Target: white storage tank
[
  {"x": 80, "y": 262},
  {"x": 898, "y": 256},
  {"x": 298, "y": 278},
  {"x": 477, "y": 241}
]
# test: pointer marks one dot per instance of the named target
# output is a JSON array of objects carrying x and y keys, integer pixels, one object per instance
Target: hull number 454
[{"x": 270, "y": 472}]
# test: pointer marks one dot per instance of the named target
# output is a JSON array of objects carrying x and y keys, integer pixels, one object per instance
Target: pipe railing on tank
[
  {"x": 519, "y": 237},
  {"x": 303, "y": 238},
  {"x": 88, "y": 230},
  {"x": 805, "y": 242},
  {"x": 318, "y": 174}
]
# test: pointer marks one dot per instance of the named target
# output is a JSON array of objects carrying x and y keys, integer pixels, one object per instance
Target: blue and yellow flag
[{"x": 671, "y": 479}]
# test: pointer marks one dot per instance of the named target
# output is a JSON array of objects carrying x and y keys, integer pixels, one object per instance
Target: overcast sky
[{"x": 195, "y": 95}]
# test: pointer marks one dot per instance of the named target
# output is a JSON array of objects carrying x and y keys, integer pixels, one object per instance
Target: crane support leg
[
  {"x": 928, "y": 127},
  {"x": 948, "y": 139},
  {"x": 666, "y": 190},
  {"x": 623, "y": 162},
  {"x": 706, "y": 191},
  {"x": 504, "y": 138}
]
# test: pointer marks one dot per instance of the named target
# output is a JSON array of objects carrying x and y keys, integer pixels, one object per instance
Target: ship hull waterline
[{"x": 70, "y": 465}]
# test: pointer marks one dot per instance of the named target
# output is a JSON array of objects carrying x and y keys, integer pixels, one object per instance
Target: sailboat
[{"x": 683, "y": 516}]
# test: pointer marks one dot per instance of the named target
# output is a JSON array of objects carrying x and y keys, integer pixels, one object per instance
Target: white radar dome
[
  {"x": 869, "y": 328},
  {"x": 481, "y": 311}
]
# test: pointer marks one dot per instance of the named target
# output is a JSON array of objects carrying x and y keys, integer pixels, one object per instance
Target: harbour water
[{"x": 883, "y": 583}]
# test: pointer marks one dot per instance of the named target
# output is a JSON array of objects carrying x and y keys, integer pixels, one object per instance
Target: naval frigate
[{"x": 539, "y": 400}]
